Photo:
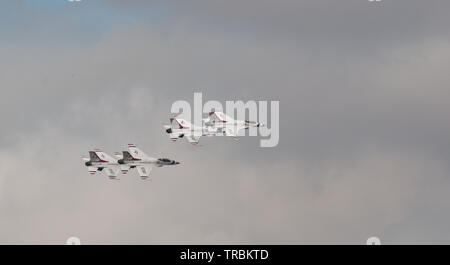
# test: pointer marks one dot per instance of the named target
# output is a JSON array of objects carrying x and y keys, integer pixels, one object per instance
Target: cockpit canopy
[{"x": 166, "y": 160}]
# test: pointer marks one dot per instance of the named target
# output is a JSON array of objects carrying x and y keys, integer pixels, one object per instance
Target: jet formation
[
  {"x": 100, "y": 161},
  {"x": 217, "y": 124}
]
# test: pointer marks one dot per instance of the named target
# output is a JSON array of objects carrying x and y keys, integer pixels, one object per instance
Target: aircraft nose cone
[{"x": 177, "y": 163}]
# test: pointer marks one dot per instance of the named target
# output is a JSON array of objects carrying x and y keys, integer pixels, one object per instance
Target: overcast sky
[{"x": 364, "y": 95}]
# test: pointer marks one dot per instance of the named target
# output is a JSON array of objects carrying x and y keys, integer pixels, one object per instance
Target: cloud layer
[{"x": 364, "y": 126}]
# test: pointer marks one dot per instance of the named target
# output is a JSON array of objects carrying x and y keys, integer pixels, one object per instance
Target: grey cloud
[{"x": 363, "y": 142}]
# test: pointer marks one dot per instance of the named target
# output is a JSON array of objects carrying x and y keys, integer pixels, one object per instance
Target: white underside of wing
[
  {"x": 193, "y": 139},
  {"x": 231, "y": 131},
  {"x": 92, "y": 170},
  {"x": 111, "y": 171},
  {"x": 124, "y": 169},
  {"x": 144, "y": 170}
]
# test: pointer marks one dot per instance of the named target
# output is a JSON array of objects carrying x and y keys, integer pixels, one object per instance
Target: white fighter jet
[
  {"x": 180, "y": 128},
  {"x": 219, "y": 121},
  {"x": 102, "y": 162},
  {"x": 135, "y": 158}
]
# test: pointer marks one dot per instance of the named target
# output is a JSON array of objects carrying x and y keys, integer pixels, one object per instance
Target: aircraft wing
[
  {"x": 233, "y": 130},
  {"x": 124, "y": 169},
  {"x": 111, "y": 171},
  {"x": 92, "y": 170},
  {"x": 193, "y": 139},
  {"x": 144, "y": 171}
]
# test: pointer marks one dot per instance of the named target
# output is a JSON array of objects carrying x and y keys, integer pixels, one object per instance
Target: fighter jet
[
  {"x": 219, "y": 121},
  {"x": 101, "y": 161},
  {"x": 135, "y": 158},
  {"x": 180, "y": 128}
]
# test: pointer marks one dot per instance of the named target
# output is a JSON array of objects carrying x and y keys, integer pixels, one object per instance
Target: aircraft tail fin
[
  {"x": 99, "y": 156},
  {"x": 182, "y": 124},
  {"x": 136, "y": 152},
  {"x": 127, "y": 156},
  {"x": 93, "y": 156}
]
